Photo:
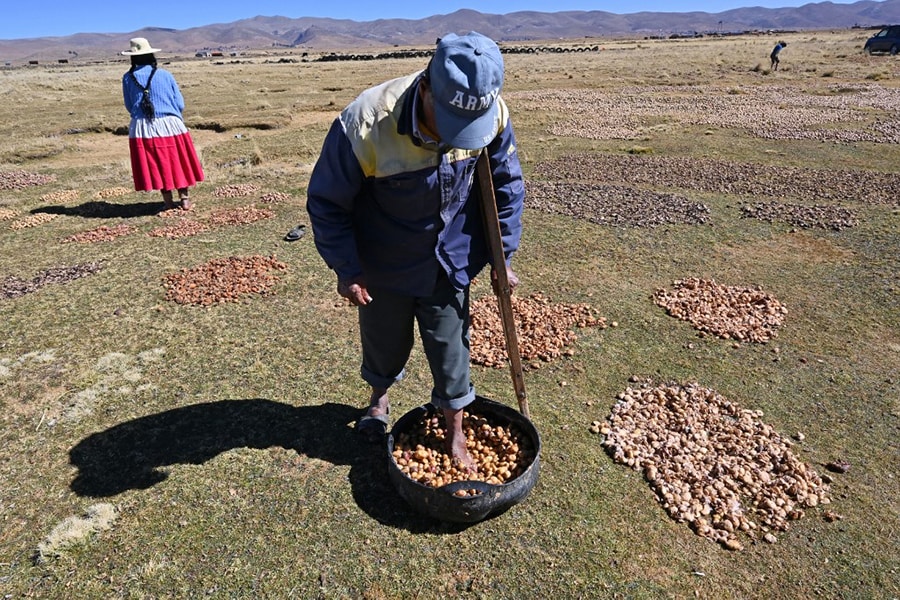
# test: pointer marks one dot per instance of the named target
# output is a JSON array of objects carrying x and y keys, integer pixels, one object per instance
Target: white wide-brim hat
[{"x": 140, "y": 46}]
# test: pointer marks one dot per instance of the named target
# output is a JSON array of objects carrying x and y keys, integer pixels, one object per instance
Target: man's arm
[{"x": 333, "y": 186}]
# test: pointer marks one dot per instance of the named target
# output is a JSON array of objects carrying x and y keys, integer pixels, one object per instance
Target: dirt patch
[{"x": 798, "y": 248}]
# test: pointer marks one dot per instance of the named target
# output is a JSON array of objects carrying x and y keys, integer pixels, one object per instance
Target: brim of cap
[
  {"x": 147, "y": 51},
  {"x": 466, "y": 133}
]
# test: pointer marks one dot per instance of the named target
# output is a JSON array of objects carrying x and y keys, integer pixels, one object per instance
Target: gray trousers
[{"x": 387, "y": 335}]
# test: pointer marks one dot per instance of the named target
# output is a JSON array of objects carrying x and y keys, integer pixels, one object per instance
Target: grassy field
[{"x": 150, "y": 449}]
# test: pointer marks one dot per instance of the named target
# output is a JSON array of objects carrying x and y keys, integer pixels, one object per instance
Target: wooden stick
[{"x": 498, "y": 260}]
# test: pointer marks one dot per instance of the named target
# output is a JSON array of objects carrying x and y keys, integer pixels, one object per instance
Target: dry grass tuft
[{"x": 76, "y": 530}]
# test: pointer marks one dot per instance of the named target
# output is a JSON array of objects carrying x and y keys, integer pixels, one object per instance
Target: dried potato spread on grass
[
  {"x": 236, "y": 190},
  {"x": 60, "y": 196},
  {"x": 239, "y": 216},
  {"x": 113, "y": 192},
  {"x": 223, "y": 280},
  {"x": 614, "y": 205},
  {"x": 33, "y": 220},
  {"x": 501, "y": 452},
  {"x": 17, "y": 180},
  {"x": 13, "y": 287},
  {"x": 544, "y": 329},
  {"x": 740, "y": 313},
  {"x": 712, "y": 464},
  {"x": 103, "y": 233},
  {"x": 834, "y": 218},
  {"x": 185, "y": 227},
  {"x": 182, "y": 228}
]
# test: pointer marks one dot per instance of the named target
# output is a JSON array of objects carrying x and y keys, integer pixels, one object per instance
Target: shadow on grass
[
  {"x": 132, "y": 455},
  {"x": 104, "y": 210}
]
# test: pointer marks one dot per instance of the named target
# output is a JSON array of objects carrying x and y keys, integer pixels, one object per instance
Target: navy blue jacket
[{"x": 387, "y": 204}]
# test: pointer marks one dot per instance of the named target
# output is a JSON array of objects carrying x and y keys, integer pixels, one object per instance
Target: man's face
[{"x": 427, "y": 113}]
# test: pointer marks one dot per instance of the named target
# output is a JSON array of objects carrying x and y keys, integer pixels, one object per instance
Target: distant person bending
[
  {"x": 775, "y": 52},
  {"x": 162, "y": 151}
]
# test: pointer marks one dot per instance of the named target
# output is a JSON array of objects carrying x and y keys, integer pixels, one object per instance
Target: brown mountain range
[{"x": 321, "y": 34}]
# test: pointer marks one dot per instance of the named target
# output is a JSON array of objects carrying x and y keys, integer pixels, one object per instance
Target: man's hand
[
  {"x": 355, "y": 291},
  {"x": 510, "y": 276}
]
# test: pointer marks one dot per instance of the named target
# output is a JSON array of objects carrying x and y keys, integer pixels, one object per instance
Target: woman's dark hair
[{"x": 139, "y": 60}]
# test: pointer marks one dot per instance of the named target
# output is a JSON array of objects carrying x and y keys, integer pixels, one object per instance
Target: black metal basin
[{"x": 490, "y": 500}]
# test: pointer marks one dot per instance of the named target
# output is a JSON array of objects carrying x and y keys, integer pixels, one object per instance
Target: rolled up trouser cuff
[
  {"x": 454, "y": 403},
  {"x": 380, "y": 381}
]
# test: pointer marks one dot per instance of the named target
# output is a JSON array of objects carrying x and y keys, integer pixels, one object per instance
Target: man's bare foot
[{"x": 455, "y": 441}]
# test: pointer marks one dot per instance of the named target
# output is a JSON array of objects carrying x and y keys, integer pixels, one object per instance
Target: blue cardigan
[
  {"x": 386, "y": 204},
  {"x": 164, "y": 93}
]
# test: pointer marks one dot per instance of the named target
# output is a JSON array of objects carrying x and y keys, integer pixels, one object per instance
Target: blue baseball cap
[{"x": 466, "y": 74}]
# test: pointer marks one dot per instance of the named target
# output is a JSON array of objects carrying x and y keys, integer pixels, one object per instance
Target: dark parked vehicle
[{"x": 886, "y": 40}]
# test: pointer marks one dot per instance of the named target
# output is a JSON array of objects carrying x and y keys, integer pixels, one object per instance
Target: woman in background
[{"x": 162, "y": 151}]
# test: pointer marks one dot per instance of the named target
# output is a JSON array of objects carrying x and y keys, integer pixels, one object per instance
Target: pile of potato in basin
[{"x": 502, "y": 442}]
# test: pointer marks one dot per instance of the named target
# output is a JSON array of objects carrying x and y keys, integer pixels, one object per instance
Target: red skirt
[{"x": 162, "y": 155}]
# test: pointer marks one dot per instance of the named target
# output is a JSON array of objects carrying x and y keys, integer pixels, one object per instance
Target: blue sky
[{"x": 36, "y": 18}]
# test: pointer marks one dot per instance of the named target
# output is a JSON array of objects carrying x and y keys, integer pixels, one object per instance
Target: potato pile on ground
[
  {"x": 274, "y": 197},
  {"x": 182, "y": 228},
  {"x": 13, "y": 287},
  {"x": 633, "y": 112},
  {"x": 239, "y": 216},
  {"x": 113, "y": 192},
  {"x": 19, "y": 180},
  {"x": 60, "y": 196},
  {"x": 725, "y": 177},
  {"x": 185, "y": 227},
  {"x": 739, "y": 313},
  {"x": 834, "y": 218},
  {"x": 236, "y": 190},
  {"x": 544, "y": 329},
  {"x": 501, "y": 452},
  {"x": 223, "y": 280},
  {"x": 103, "y": 233},
  {"x": 6, "y": 214},
  {"x": 33, "y": 220},
  {"x": 713, "y": 465},
  {"x": 614, "y": 205}
]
